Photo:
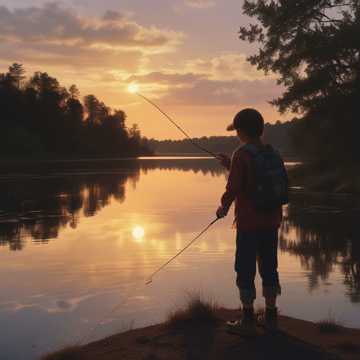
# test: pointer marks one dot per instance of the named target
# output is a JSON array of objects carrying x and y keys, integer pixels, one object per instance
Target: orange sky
[{"x": 184, "y": 54}]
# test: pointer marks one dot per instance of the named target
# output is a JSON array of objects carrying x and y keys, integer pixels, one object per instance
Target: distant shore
[
  {"x": 31, "y": 166},
  {"x": 305, "y": 175},
  {"x": 297, "y": 339}
]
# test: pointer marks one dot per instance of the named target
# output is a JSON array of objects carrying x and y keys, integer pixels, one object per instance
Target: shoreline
[
  {"x": 297, "y": 338},
  {"x": 320, "y": 178}
]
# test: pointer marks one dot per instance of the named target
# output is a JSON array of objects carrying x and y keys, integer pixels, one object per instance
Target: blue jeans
[{"x": 261, "y": 246}]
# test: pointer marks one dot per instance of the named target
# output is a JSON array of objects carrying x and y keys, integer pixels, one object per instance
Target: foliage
[
  {"x": 40, "y": 118},
  {"x": 313, "y": 47},
  {"x": 329, "y": 326}
]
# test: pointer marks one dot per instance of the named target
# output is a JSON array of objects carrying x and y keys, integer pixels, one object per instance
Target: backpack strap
[{"x": 251, "y": 149}]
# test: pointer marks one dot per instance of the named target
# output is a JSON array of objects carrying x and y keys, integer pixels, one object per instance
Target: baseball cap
[{"x": 249, "y": 120}]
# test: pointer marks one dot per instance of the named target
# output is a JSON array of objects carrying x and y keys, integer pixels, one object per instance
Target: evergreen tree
[
  {"x": 16, "y": 74},
  {"x": 314, "y": 48}
]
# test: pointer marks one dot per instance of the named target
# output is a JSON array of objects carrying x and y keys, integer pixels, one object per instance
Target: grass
[
  {"x": 196, "y": 313},
  {"x": 68, "y": 353},
  {"x": 329, "y": 326}
]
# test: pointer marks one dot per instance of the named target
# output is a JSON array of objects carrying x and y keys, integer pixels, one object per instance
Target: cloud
[
  {"x": 229, "y": 66},
  {"x": 111, "y": 15},
  {"x": 191, "y": 89},
  {"x": 57, "y": 36},
  {"x": 53, "y": 24},
  {"x": 67, "y": 56},
  {"x": 207, "y": 92},
  {"x": 200, "y": 4},
  {"x": 166, "y": 78},
  {"x": 218, "y": 81}
]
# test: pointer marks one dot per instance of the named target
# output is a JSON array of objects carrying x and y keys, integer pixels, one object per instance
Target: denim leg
[
  {"x": 245, "y": 266},
  {"x": 268, "y": 263}
]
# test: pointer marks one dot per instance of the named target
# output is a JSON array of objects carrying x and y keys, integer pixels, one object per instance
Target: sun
[
  {"x": 133, "y": 88},
  {"x": 138, "y": 233}
]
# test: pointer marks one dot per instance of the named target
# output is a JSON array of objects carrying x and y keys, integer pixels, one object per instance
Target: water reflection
[
  {"x": 90, "y": 234},
  {"x": 45, "y": 206},
  {"x": 138, "y": 233},
  {"x": 323, "y": 232},
  {"x": 58, "y": 194}
]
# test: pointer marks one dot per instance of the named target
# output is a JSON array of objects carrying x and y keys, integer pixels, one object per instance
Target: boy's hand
[
  {"x": 220, "y": 212},
  {"x": 225, "y": 161}
]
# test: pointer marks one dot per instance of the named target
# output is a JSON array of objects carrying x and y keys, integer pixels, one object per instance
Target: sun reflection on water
[{"x": 138, "y": 233}]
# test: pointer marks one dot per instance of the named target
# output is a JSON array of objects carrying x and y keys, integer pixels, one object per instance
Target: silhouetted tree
[
  {"x": 40, "y": 118},
  {"x": 16, "y": 74},
  {"x": 314, "y": 48},
  {"x": 96, "y": 110},
  {"x": 74, "y": 92},
  {"x": 74, "y": 115}
]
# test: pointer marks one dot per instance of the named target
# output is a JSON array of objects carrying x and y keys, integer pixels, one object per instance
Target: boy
[{"x": 258, "y": 184}]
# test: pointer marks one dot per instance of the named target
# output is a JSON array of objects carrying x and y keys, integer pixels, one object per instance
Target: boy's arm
[{"x": 233, "y": 186}]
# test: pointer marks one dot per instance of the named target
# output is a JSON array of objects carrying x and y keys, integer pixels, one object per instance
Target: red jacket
[{"x": 240, "y": 185}]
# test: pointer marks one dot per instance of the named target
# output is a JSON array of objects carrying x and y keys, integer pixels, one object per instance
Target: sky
[{"x": 184, "y": 54}]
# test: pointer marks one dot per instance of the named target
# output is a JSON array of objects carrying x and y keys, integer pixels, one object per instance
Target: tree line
[
  {"x": 279, "y": 135},
  {"x": 39, "y": 118}
]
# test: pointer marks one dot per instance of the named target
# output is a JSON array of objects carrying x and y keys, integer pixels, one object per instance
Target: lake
[{"x": 77, "y": 241}]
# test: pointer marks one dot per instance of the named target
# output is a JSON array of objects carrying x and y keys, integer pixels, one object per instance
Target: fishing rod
[
  {"x": 133, "y": 88},
  {"x": 150, "y": 279}
]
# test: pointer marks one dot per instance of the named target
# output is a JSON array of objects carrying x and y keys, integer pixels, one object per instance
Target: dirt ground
[{"x": 297, "y": 339}]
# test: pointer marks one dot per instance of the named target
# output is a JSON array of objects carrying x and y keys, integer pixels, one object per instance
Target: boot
[
  {"x": 271, "y": 319},
  {"x": 246, "y": 326}
]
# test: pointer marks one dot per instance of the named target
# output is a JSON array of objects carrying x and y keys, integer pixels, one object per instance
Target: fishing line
[
  {"x": 87, "y": 337},
  {"x": 150, "y": 278},
  {"x": 177, "y": 126},
  {"x": 144, "y": 282}
]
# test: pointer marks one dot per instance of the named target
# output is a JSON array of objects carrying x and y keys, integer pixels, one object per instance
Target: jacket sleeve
[{"x": 234, "y": 183}]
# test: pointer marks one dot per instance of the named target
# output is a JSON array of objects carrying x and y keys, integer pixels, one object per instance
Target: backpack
[{"x": 271, "y": 180}]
